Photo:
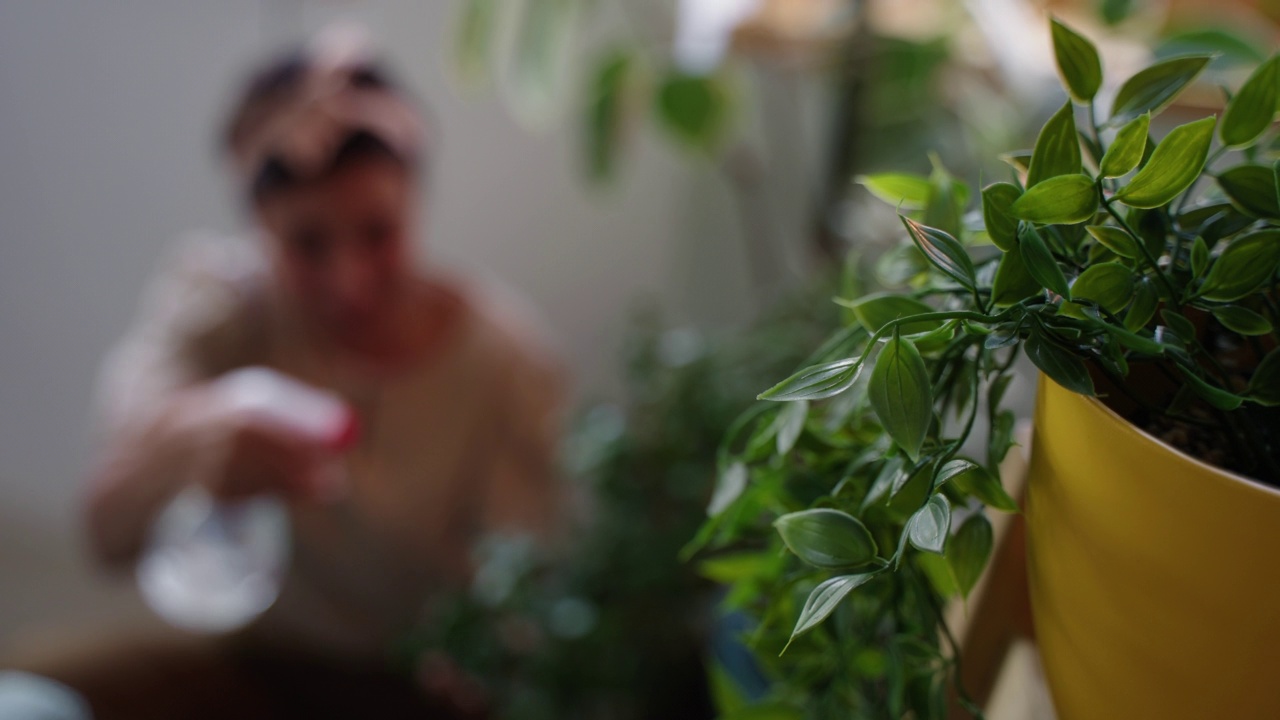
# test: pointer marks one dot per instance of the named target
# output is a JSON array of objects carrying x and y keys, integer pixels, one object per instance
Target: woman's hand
[{"x": 252, "y": 457}]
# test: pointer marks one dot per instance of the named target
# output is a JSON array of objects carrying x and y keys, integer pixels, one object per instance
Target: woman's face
[{"x": 341, "y": 247}]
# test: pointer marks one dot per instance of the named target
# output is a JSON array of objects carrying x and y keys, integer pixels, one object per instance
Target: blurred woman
[{"x": 457, "y": 406}]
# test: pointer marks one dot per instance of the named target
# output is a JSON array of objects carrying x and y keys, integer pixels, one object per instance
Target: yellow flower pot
[{"x": 1155, "y": 578}]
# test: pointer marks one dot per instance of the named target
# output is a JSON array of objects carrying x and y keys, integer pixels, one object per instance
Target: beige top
[{"x": 453, "y": 448}]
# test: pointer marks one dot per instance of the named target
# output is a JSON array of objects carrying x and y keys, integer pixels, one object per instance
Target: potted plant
[{"x": 1140, "y": 278}]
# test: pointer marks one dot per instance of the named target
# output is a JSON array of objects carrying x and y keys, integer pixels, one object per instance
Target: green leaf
[
  {"x": 791, "y": 424},
  {"x": 1152, "y": 89},
  {"x": 973, "y": 479},
  {"x": 970, "y": 551},
  {"x": 1228, "y": 48},
  {"x": 1078, "y": 63},
  {"x": 1251, "y": 111},
  {"x": 1175, "y": 164},
  {"x": 898, "y": 189},
  {"x": 1001, "y": 437},
  {"x": 929, "y": 526},
  {"x": 1127, "y": 149},
  {"x": 1253, "y": 189},
  {"x": 1116, "y": 240},
  {"x": 1211, "y": 394},
  {"x": 879, "y": 309},
  {"x": 539, "y": 61},
  {"x": 605, "y": 114},
  {"x": 1019, "y": 160},
  {"x": 1041, "y": 263},
  {"x": 473, "y": 42},
  {"x": 901, "y": 395},
  {"x": 1247, "y": 264},
  {"x": 1131, "y": 340},
  {"x": 1242, "y": 320},
  {"x": 943, "y": 251},
  {"x": 939, "y": 572},
  {"x": 1145, "y": 302},
  {"x": 1179, "y": 324},
  {"x": 1215, "y": 221},
  {"x": 943, "y": 208},
  {"x": 1108, "y": 284},
  {"x": 738, "y": 566},
  {"x": 1057, "y": 149},
  {"x": 1013, "y": 282},
  {"x": 1115, "y": 12},
  {"x": 1264, "y": 386},
  {"x": 825, "y": 599},
  {"x": 1001, "y": 226},
  {"x": 729, "y": 486},
  {"x": 694, "y": 108},
  {"x": 1061, "y": 366},
  {"x": 1199, "y": 257},
  {"x": 816, "y": 382},
  {"x": 827, "y": 538},
  {"x": 1061, "y": 200}
]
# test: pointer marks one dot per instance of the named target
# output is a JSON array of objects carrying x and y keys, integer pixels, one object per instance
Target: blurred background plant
[{"x": 619, "y": 627}]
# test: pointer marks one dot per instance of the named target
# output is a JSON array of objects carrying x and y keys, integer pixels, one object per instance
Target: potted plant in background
[{"x": 1140, "y": 277}]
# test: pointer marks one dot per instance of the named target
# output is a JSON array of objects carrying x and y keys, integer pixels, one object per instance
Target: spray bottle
[{"x": 214, "y": 565}]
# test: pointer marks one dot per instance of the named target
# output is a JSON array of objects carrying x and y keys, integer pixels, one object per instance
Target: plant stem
[
  {"x": 1142, "y": 245},
  {"x": 957, "y": 679}
]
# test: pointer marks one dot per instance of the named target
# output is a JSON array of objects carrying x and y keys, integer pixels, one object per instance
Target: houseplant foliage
[
  {"x": 617, "y": 626},
  {"x": 1141, "y": 271}
]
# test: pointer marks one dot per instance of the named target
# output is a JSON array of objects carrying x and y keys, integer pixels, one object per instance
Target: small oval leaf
[
  {"x": 1001, "y": 226},
  {"x": 1078, "y": 62},
  {"x": 970, "y": 550},
  {"x": 816, "y": 382},
  {"x": 943, "y": 251},
  {"x": 1264, "y": 386},
  {"x": 694, "y": 108},
  {"x": 1061, "y": 200},
  {"x": 1199, "y": 257},
  {"x": 973, "y": 479},
  {"x": 1116, "y": 240},
  {"x": 1251, "y": 111},
  {"x": 1108, "y": 284},
  {"x": 1145, "y": 302},
  {"x": 825, "y": 599},
  {"x": 606, "y": 114},
  {"x": 1057, "y": 150},
  {"x": 1247, "y": 264},
  {"x": 729, "y": 487},
  {"x": 898, "y": 189},
  {"x": 901, "y": 395},
  {"x": 1041, "y": 263},
  {"x": 1013, "y": 282},
  {"x": 790, "y": 424},
  {"x": 1152, "y": 89},
  {"x": 929, "y": 526},
  {"x": 1242, "y": 320},
  {"x": 1253, "y": 189},
  {"x": 1211, "y": 394},
  {"x": 1175, "y": 164},
  {"x": 1127, "y": 149},
  {"x": 827, "y": 538},
  {"x": 1061, "y": 366},
  {"x": 877, "y": 310}
]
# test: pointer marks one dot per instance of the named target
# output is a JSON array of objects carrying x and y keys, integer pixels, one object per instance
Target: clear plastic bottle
[{"x": 213, "y": 566}]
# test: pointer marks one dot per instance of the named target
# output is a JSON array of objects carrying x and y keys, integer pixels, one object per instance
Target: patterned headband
[{"x": 306, "y": 127}]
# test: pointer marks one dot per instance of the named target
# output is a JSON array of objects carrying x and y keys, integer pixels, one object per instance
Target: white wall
[{"x": 106, "y": 115}]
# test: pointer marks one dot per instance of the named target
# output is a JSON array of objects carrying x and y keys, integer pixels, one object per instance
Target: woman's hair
[{"x": 277, "y": 99}]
